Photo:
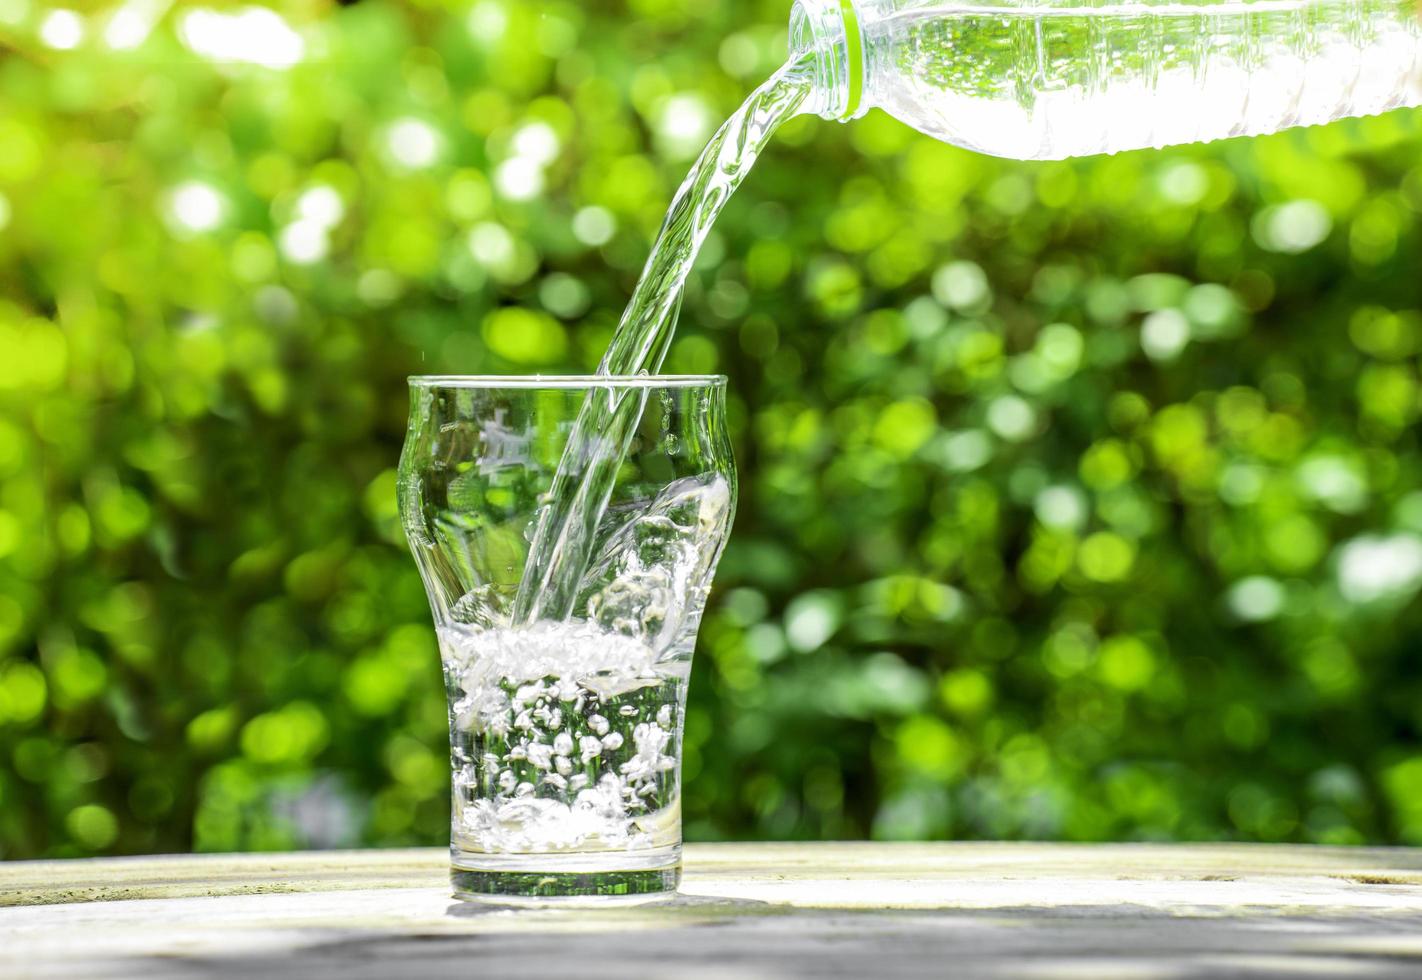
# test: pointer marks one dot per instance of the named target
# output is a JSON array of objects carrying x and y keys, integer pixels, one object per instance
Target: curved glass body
[{"x": 565, "y": 735}]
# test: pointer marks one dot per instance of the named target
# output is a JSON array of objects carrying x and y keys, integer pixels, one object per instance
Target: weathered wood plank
[
  {"x": 836, "y": 910},
  {"x": 180, "y": 876},
  {"x": 188, "y": 875}
]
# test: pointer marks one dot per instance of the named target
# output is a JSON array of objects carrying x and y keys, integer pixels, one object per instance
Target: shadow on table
[{"x": 714, "y": 939}]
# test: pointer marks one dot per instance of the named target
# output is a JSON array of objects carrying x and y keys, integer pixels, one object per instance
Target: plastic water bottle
[{"x": 1058, "y": 78}]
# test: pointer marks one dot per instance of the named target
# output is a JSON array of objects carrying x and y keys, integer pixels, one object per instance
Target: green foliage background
[{"x": 1079, "y": 500}]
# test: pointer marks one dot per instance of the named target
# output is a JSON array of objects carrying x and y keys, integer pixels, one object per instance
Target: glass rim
[{"x": 566, "y": 381}]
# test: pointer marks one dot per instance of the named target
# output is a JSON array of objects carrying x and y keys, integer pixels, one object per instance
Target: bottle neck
[{"x": 828, "y": 33}]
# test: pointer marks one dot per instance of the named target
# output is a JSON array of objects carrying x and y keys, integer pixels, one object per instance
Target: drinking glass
[{"x": 565, "y": 734}]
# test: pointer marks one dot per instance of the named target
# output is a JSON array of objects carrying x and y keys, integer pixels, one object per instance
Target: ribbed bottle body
[{"x": 1054, "y": 79}]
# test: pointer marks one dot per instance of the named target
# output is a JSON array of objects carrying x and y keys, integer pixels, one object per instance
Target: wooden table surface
[{"x": 746, "y": 910}]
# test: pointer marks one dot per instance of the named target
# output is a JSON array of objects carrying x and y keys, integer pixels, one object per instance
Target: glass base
[{"x": 606, "y": 878}]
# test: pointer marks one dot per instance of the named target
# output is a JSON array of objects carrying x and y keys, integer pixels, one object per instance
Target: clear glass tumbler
[{"x": 565, "y": 735}]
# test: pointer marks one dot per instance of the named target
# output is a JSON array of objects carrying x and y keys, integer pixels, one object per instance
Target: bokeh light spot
[
  {"x": 1335, "y": 481},
  {"x": 322, "y": 205},
  {"x": 62, "y": 30},
  {"x": 14, "y": 12},
  {"x": 196, "y": 206},
  {"x": 93, "y": 826},
  {"x": 811, "y": 619},
  {"x": 1060, "y": 348},
  {"x": 525, "y": 336},
  {"x": 487, "y": 21},
  {"x": 1256, "y": 598},
  {"x": 23, "y": 693},
  {"x": 594, "y": 225},
  {"x": 1106, "y": 557},
  {"x": 1062, "y": 507},
  {"x": 491, "y": 244},
  {"x": 519, "y": 179},
  {"x": 1376, "y": 567},
  {"x": 1184, "y": 183},
  {"x": 413, "y": 143},
  {"x": 904, "y": 426},
  {"x": 1012, "y": 418},
  {"x": 683, "y": 124},
  {"x": 536, "y": 141},
  {"x": 1126, "y": 663},
  {"x": 961, "y": 286},
  {"x": 739, "y": 54},
  {"x": 303, "y": 242},
  {"x": 1164, "y": 334},
  {"x": 250, "y": 35},
  {"x": 128, "y": 26},
  {"x": 1293, "y": 227}
]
